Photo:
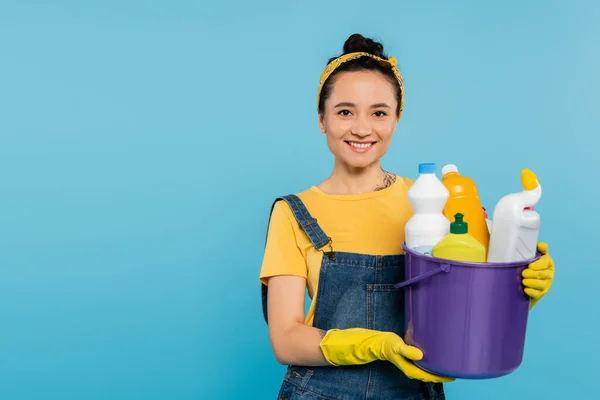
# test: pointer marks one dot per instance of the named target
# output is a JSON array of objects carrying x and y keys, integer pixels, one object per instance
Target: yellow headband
[{"x": 333, "y": 65}]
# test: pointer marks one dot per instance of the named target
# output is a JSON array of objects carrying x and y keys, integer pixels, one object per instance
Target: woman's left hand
[{"x": 538, "y": 276}]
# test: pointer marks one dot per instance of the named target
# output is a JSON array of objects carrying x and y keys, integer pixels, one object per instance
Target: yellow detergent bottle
[
  {"x": 464, "y": 198},
  {"x": 459, "y": 245}
]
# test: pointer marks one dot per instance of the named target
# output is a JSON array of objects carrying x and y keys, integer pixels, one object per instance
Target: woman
[{"x": 341, "y": 240}]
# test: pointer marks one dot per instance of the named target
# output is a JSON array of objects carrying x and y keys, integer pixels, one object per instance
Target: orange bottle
[{"x": 464, "y": 199}]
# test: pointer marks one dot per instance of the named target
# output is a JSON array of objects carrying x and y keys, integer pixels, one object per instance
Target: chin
[{"x": 359, "y": 162}]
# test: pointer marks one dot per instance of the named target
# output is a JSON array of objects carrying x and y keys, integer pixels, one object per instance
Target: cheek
[
  {"x": 386, "y": 130},
  {"x": 334, "y": 140},
  {"x": 336, "y": 129}
]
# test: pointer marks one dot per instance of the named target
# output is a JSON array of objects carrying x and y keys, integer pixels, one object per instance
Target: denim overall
[{"x": 354, "y": 291}]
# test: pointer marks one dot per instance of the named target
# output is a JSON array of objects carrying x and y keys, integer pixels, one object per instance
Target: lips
[{"x": 360, "y": 147}]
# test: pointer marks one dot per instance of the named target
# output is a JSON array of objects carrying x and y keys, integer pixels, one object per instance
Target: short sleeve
[{"x": 282, "y": 255}]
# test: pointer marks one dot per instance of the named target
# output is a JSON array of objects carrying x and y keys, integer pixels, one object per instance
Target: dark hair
[{"x": 359, "y": 43}]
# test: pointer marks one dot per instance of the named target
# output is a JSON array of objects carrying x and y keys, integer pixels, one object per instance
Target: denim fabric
[
  {"x": 354, "y": 291},
  {"x": 315, "y": 384}
]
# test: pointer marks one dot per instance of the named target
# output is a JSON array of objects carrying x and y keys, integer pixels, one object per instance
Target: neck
[{"x": 346, "y": 180}]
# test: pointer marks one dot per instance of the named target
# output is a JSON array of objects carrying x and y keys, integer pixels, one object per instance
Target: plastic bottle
[
  {"x": 459, "y": 244},
  {"x": 428, "y": 225},
  {"x": 464, "y": 198},
  {"x": 489, "y": 221},
  {"x": 515, "y": 229}
]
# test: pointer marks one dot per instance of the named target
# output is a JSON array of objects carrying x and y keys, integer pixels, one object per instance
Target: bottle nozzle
[
  {"x": 459, "y": 226},
  {"x": 529, "y": 179}
]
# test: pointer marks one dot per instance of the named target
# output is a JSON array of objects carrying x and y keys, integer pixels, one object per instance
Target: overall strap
[{"x": 309, "y": 225}]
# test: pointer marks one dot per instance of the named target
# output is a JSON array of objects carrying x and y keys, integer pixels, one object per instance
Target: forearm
[{"x": 299, "y": 344}]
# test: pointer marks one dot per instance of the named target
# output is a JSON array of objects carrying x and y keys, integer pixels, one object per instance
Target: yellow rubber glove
[
  {"x": 538, "y": 276},
  {"x": 356, "y": 346}
]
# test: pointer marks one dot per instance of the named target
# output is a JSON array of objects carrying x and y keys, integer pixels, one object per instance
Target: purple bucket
[{"x": 469, "y": 319}]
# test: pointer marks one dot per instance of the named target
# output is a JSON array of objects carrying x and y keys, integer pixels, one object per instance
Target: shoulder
[
  {"x": 281, "y": 208},
  {"x": 407, "y": 181},
  {"x": 282, "y": 205},
  {"x": 402, "y": 181}
]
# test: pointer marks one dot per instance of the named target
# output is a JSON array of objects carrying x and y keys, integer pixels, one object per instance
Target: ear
[{"x": 322, "y": 123}]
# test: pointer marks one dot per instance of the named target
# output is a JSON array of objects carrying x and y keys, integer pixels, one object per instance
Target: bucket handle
[{"x": 442, "y": 268}]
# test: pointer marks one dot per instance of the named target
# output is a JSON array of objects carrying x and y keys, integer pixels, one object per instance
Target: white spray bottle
[{"x": 515, "y": 230}]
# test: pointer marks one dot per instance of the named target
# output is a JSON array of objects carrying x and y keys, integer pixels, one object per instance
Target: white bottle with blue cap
[{"x": 428, "y": 225}]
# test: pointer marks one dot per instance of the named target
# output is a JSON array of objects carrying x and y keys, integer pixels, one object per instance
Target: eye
[
  {"x": 380, "y": 113},
  {"x": 344, "y": 113}
]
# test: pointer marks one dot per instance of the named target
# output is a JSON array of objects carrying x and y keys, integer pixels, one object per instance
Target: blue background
[{"x": 143, "y": 142}]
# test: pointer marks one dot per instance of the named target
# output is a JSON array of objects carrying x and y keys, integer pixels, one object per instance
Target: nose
[{"x": 361, "y": 127}]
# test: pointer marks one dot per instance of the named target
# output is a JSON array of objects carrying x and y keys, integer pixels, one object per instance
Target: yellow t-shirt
[{"x": 370, "y": 223}]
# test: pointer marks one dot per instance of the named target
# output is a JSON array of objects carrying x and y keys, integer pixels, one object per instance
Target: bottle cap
[
  {"x": 459, "y": 226},
  {"x": 449, "y": 168},
  {"x": 427, "y": 168},
  {"x": 529, "y": 180}
]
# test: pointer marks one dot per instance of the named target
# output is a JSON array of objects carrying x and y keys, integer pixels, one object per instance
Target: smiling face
[{"x": 359, "y": 118}]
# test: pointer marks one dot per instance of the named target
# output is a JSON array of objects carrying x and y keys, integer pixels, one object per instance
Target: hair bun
[{"x": 359, "y": 43}]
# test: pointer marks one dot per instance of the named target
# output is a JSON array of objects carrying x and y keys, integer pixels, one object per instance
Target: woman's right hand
[
  {"x": 403, "y": 355},
  {"x": 295, "y": 343},
  {"x": 360, "y": 346}
]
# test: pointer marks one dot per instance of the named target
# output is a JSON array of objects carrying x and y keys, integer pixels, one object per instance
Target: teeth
[{"x": 360, "y": 145}]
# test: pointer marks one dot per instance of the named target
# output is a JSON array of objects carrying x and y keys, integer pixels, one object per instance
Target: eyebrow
[{"x": 377, "y": 105}]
